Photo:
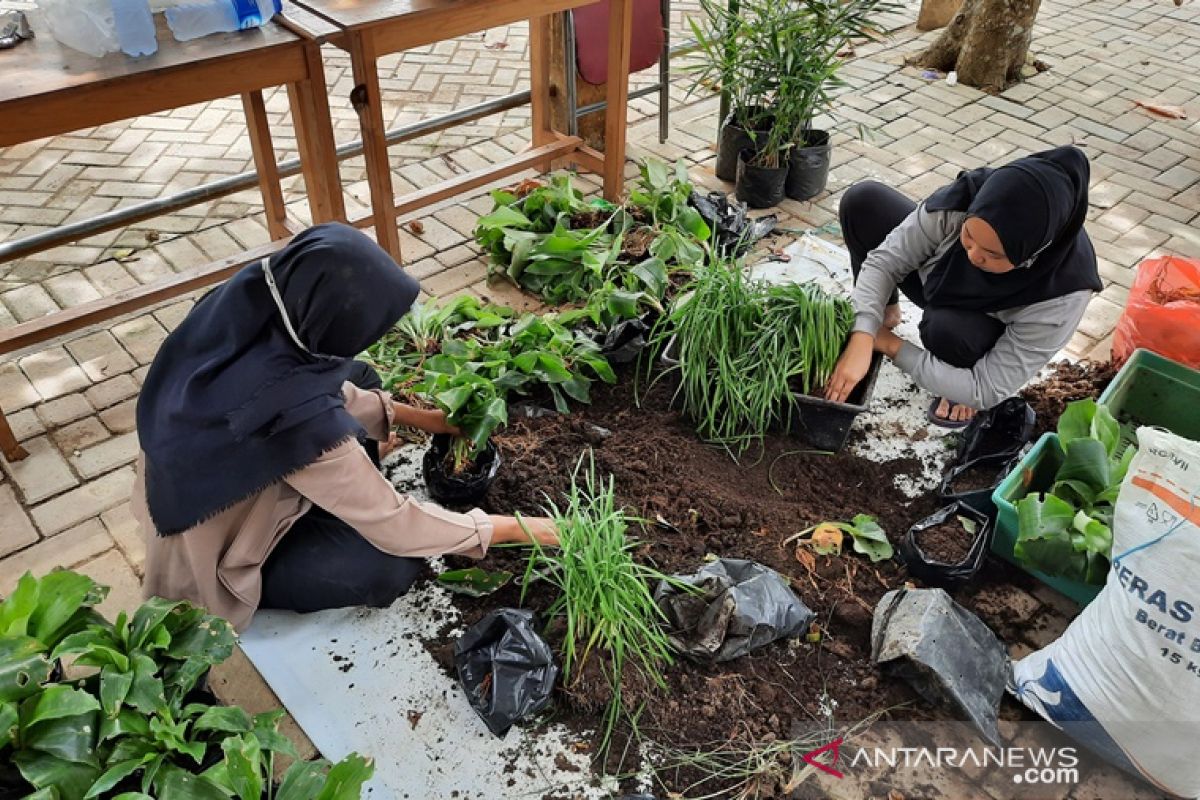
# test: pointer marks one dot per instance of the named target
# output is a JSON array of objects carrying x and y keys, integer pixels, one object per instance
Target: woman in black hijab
[
  {"x": 258, "y": 482},
  {"x": 999, "y": 263}
]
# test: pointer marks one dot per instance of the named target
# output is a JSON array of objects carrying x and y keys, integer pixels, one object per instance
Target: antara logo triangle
[{"x": 833, "y": 749}]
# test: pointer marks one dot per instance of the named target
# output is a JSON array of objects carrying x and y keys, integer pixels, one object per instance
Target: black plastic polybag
[
  {"x": 999, "y": 431},
  {"x": 454, "y": 490},
  {"x": 734, "y": 232},
  {"x": 944, "y": 651},
  {"x": 741, "y": 605},
  {"x": 939, "y": 573},
  {"x": 995, "y": 468},
  {"x": 505, "y": 668},
  {"x": 624, "y": 341}
]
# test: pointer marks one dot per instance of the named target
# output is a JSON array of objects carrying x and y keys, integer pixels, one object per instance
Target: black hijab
[
  {"x": 1037, "y": 205},
  {"x": 233, "y": 402}
]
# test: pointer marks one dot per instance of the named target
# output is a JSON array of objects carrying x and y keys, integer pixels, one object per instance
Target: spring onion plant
[
  {"x": 605, "y": 596},
  {"x": 744, "y": 346}
]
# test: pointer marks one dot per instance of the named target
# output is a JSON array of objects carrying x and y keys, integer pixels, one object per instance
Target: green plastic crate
[
  {"x": 1152, "y": 390},
  {"x": 1035, "y": 473}
]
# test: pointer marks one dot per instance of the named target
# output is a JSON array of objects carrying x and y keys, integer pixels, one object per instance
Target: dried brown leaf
[
  {"x": 416, "y": 226},
  {"x": 1162, "y": 110}
]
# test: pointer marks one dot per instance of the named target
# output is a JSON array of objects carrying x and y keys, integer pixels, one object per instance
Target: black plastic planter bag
[
  {"x": 999, "y": 431},
  {"x": 734, "y": 232},
  {"x": 980, "y": 499},
  {"x": 454, "y": 490},
  {"x": 939, "y": 573},
  {"x": 759, "y": 187},
  {"x": 506, "y": 669},
  {"x": 625, "y": 341},
  {"x": 741, "y": 606},
  {"x": 944, "y": 651}
]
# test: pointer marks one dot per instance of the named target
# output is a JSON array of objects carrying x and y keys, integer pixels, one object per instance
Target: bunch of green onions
[
  {"x": 605, "y": 596},
  {"x": 744, "y": 346}
]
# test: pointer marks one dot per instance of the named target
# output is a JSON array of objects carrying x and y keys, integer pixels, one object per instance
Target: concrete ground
[{"x": 72, "y": 402}]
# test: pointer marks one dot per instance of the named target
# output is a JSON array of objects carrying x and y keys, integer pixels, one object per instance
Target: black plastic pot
[
  {"x": 979, "y": 499},
  {"x": 759, "y": 187},
  {"x": 1002, "y": 430},
  {"x": 939, "y": 573},
  {"x": 466, "y": 489},
  {"x": 625, "y": 341},
  {"x": 826, "y": 424},
  {"x": 731, "y": 140},
  {"x": 808, "y": 167}
]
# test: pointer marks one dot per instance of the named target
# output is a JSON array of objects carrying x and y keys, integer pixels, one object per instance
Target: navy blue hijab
[
  {"x": 1037, "y": 206},
  {"x": 233, "y": 402}
]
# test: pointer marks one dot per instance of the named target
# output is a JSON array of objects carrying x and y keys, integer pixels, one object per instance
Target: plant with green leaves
[
  {"x": 132, "y": 726},
  {"x": 605, "y": 599},
  {"x": 743, "y": 347},
  {"x": 1067, "y": 531},
  {"x": 828, "y": 538}
]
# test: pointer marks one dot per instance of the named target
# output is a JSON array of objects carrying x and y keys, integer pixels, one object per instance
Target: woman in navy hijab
[{"x": 258, "y": 481}]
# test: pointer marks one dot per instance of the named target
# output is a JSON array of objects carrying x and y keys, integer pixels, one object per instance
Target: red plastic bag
[{"x": 1163, "y": 312}]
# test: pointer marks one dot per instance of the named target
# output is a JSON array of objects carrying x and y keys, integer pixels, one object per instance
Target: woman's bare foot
[
  {"x": 954, "y": 411},
  {"x": 891, "y": 316}
]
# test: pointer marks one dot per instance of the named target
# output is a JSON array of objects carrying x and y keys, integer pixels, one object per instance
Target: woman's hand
[
  {"x": 430, "y": 420},
  {"x": 851, "y": 367},
  {"x": 510, "y": 530}
]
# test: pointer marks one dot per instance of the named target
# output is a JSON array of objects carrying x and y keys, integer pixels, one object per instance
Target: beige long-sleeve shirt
[{"x": 218, "y": 563}]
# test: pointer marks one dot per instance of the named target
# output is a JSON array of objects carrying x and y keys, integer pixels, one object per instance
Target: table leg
[
  {"x": 8, "y": 441},
  {"x": 314, "y": 139},
  {"x": 616, "y": 112},
  {"x": 369, "y": 105},
  {"x": 265, "y": 163},
  {"x": 540, "y": 31}
]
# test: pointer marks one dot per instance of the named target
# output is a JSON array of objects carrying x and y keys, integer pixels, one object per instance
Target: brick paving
[{"x": 72, "y": 402}]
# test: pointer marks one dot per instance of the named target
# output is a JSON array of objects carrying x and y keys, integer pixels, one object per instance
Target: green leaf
[
  {"x": 656, "y": 174},
  {"x": 70, "y": 738},
  {"x": 474, "y": 582},
  {"x": 23, "y": 667},
  {"x": 133, "y": 796},
  {"x": 114, "y": 775},
  {"x": 503, "y": 217},
  {"x": 149, "y": 616},
  {"x": 56, "y": 702},
  {"x": 114, "y": 688},
  {"x": 243, "y": 764},
  {"x": 303, "y": 780},
  {"x": 18, "y": 607},
  {"x": 869, "y": 538},
  {"x": 230, "y": 719},
  {"x": 8, "y": 723},
  {"x": 42, "y": 794},
  {"x": 1086, "y": 462},
  {"x": 1076, "y": 421},
  {"x": 70, "y": 780},
  {"x": 146, "y": 692},
  {"x": 624, "y": 304},
  {"x": 173, "y": 783},
  {"x": 653, "y": 274},
  {"x": 127, "y": 723},
  {"x": 346, "y": 778},
  {"x": 1044, "y": 539},
  {"x": 95, "y": 646},
  {"x": 454, "y": 399},
  {"x": 1096, "y": 536},
  {"x": 61, "y": 595}
]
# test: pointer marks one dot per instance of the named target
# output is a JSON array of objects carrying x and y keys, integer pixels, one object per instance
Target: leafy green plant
[
  {"x": 743, "y": 347},
  {"x": 605, "y": 598},
  {"x": 134, "y": 718},
  {"x": 1067, "y": 531},
  {"x": 866, "y": 536},
  {"x": 474, "y": 582}
]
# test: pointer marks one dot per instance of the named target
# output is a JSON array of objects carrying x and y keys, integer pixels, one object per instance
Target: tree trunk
[{"x": 986, "y": 43}]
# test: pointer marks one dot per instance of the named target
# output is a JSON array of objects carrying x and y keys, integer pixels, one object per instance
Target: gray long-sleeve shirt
[{"x": 1032, "y": 335}]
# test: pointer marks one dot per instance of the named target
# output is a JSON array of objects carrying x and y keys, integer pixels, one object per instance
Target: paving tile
[
  {"x": 68, "y": 549},
  {"x": 42, "y": 474},
  {"x": 106, "y": 456},
  {"x": 29, "y": 302},
  {"x": 16, "y": 531},
  {"x": 140, "y": 337},
  {"x": 54, "y": 373},
  {"x": 121, "y": 418},
  {"x": 100, "y": 355},
  {"x": 16, "y": 392},
  {"x": 64, "y": 410},
  {"x": 25, "y": 424},
  {"x": 124, "y": 587},
  {"x": 111, "y": 391},
  {"x": 89, "y": 500},
  {"x": 79, "y": 436},
  {"x": 123, "y": 528}
]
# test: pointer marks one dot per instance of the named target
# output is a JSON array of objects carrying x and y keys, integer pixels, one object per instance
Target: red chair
[{"x": 586, "y": 34}]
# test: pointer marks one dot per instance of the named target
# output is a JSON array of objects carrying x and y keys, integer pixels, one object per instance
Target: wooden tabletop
[
  {"x": 41, "y": 66},
  {"x": 432, "y": 20}
]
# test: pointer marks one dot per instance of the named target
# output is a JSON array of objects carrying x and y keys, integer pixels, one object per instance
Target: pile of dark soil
[
  {"x": 948, "y": 542},
  {"x": 1067, "y": 383},
  {"x": 700, "y": 504}
]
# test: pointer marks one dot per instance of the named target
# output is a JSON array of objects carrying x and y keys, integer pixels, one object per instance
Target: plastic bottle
[
  {"x": 135, "y": 27},
  {"x": 84, "y": 25},
  {"x": 193, "y": 20}
]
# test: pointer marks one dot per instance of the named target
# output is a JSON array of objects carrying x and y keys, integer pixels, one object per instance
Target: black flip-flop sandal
[{"x": 942, "y": 422}]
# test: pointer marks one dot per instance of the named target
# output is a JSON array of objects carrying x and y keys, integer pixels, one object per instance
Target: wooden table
[
  {"x": 48, "y": 89},
  {"x": 373, "y": 28}
]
